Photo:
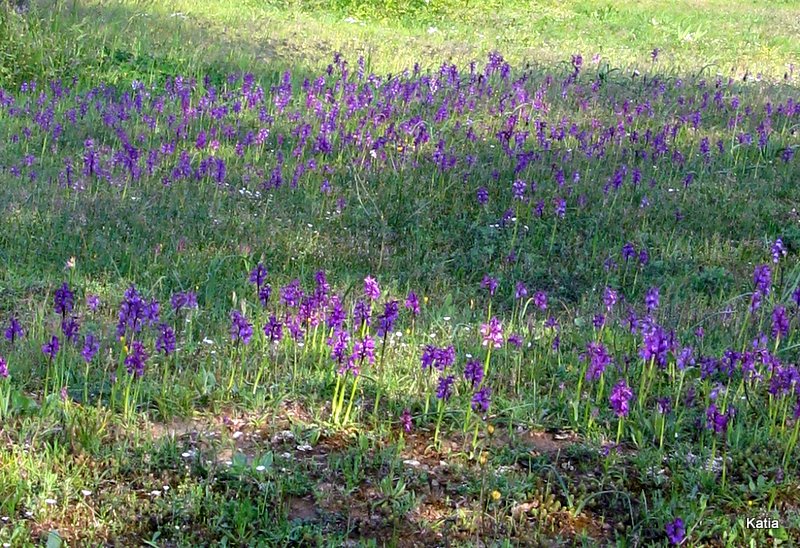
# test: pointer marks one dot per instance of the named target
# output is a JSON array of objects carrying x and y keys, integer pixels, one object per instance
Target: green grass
[
  {"x": 226, "y": 445},
  {"x": 120, "y": 40}
]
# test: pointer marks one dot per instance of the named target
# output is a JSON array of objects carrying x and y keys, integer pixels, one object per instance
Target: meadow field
[{"x": 408, "y": 273}]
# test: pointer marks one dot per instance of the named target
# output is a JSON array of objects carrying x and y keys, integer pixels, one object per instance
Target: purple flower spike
[
  {"x": 762, "y": 279},
  {"x": 336, "y": 314},
  {"x": 364, "y": 350},
  {"x": 92, "y": 302},
  {"x": 755, "y": 302},
  {"x": 492, "y": 333},
  {"x": 780, "y": 322},
  {"x": 273, "y": 329},
  {"x": 438, "y": 358},
  {"x": 515, "y": 340},
  {"x": 445, "y": 387},
  {"x": 560, "y": 207},
  {"x": 258, "y": 275},
  {"x": 405, "y": 420},
  {"x": 241, "y": 329},
  {"x": 152, "y": 312},
  {"x": 133, "y": 312},
  {"x": 651, "y": 299},
  {"x": 323, "y": 288},
  {"x": 685, "y": 358},
  {"x": 388, "y": 318},
  {"x": 489, "y": 283},
  {"x": 518, "y": 189},
  {"x": 166, "y": 339},
  {"x": 50, "y": 349},
  {"x": 136, "y": 359},
  {"x": 338, "y": 343},
  {"x": 481, "y": 399},
  {"x": 778, "y": 250},
  {"x": 70, "y": 327},
  {"x": 655, "y": 346},
  {"x": 64, "y": 300},
  {"x": 473, "y": 372},
  {"x": 183, "y": 299},
  {"x": 14, "y": 330},
  {"x": 599, "y": 359},
  {"x": 482, "y": 195},
  {"x": 264, "y": 293},
  {"x": 716, "y": 421},
  {"x": 292, "y": 294},
  {"x": 3, "y": 368},
  {"x": 362, "y": 313},
  {"x": 628, "y": 251},
  {"x": 676, "y": 531},
  {"x": 620, "y": 397},
  {"x": 412, "y": 303},
  {"x": 371, "y": 289},
  {"x": 610, "y": 297},
  {"x": 90, "y": 347}
]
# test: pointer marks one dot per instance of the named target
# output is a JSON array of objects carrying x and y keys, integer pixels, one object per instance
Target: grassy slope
[
  {"x": 726, "y": 37},
  {"x": 699, "y": 270}
]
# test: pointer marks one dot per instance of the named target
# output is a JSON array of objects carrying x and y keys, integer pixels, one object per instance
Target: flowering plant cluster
[{"x": 571, "y": 207}]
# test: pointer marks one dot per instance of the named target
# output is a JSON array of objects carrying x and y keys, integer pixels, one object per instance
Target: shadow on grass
[{"x": 113, "y": 43}]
